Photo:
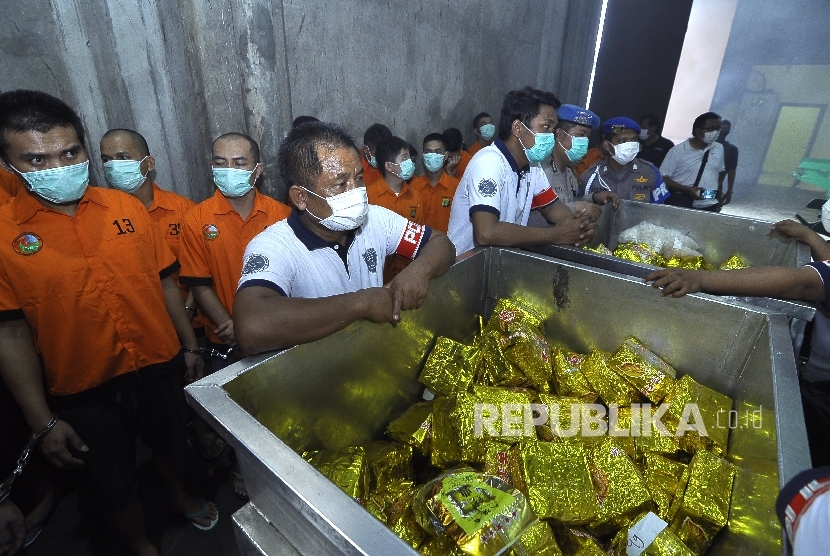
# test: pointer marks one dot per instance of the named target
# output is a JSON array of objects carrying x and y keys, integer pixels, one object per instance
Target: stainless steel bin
[
  {"x": 719, "y": 236},
  {"x": 345, "y": 388}
]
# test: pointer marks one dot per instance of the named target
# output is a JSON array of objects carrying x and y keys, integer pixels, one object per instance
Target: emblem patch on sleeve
[
  {"x": 27, "y": 243},
  {"x": 254, "y": 263},
  {"x": 487, "y": 187},
  {"x": 370, "y": 257}
]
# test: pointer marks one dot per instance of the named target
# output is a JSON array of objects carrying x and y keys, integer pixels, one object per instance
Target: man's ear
[
  {"x": 298, "y": 197},
  {"x": 151, "y": 164},
  {"x": 516, "y": 127},
  {"x": 258, "y": 169}
]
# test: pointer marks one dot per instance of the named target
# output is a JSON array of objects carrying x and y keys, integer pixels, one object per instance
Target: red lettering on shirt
[{"x": 411, "y": 239}]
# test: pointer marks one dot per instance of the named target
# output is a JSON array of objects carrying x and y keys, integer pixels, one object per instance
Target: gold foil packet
[
  {"x": 733, "y": 263},
  {"x": 537, "y": 540},
  {"x": 648, "y": 535},
  {"x": 528, "y": 350},
  {"x": 389, "y": 462},
  {"x": 480, "y": 514},
  {"x": 509, "y": 312},
  {"x": 386, "y": 503},
  {"x": 448, "y": 369},
  {"x": 704, "y": 505},
  {"x": 639, "y": 253},
  {"x": 556, "y": 478},
  {"x": 643, "y": 369},
  {"x": 610, "y": 386},
  {"x": 568, "y": 378},
  {"x": 690, "y": 401},
  {"x": 621, "y": 491},
  {"x": 564, "y": 418},
  {"x": 663, "y": 478},
  {"x": 346, "y": 467},
  {"x": 499, "y": 460},
  {"x": 413, "y": 427},
  {"x": 496, "y": 369},
  {"x": 600, "y": 249},
  {"x": 690, "y": 263},
  {"x": 490, "y": 412},
  {"x": 444, "y": 451}
]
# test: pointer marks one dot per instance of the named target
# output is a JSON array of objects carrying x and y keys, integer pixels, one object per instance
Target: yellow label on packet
[{"x": 471, "y": 502}]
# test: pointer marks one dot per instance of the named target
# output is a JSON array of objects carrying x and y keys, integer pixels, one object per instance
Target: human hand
[
  {"x": 409, "y": 291},
  {"x": 697, "y": 192},
  {"x": 12, "y": 528},
  {"x": 195, "y": 365},
  {"x": 792, "y": 229},
  {"x": 225, "y": 333},
  {"x": 675, "y": 282},
  {"x": 605, "y": 197},
  {"x": 377, "y": 305},
  {"x": 578, "y": 229},
  {"x": 451, "y": 163},
  {"x": 55, "y": 446}
]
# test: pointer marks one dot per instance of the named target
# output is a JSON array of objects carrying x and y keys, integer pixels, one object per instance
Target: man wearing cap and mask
[
  {"x": 695, "y": 168},
  {"x": 622, "y": 172},
  {"x": 315, "y": 273},
  {"x": 504, "y": 183}
]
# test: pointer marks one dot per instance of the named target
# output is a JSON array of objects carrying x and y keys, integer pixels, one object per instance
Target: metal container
[
  {"x": 719, "y": 236},
  {"x": 344, "y": 389}
]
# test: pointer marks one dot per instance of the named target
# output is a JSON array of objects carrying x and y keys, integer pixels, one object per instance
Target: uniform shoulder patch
[
  {"x": 255, "y": 262},
  {"x": 487, "y": 187},
  {"x": 27, "y": 243},
  {"x": 370, "y": 257}
]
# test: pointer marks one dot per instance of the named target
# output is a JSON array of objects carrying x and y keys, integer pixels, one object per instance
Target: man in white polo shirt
[
  {"x": 504, "y": 182},
  {"x": 321, "y": 269},
  {"x": 696, "y": 165}
]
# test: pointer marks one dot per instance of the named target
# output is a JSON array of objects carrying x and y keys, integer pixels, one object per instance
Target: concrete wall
[{"x": 182, "y": 72}]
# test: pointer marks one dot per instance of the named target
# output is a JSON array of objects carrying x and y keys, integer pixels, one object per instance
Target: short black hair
[
  {"x": 137, "y": 138},
  {"x": 376, "y": 133},
  {"x": 650, "y": 119},
  {"x": 700, "y": 121},
  {"x": 524, "y": 105},
  {"x": 298, "y": 159},
  {"x": 453, "y": 139},
  {"x": 388, "y": 150},
  {"x": 24, "y": 110},
  {"x": 253, "y": 144},
  {"x": 478, "y": 118},
  {"x": 300, "y": 120},
  {"x": 434, "y": 137}
]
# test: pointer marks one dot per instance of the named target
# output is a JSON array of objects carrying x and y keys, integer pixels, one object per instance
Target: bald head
[
  {"x": 233, "y": 137},
  {"x": 130, "y": 137}
]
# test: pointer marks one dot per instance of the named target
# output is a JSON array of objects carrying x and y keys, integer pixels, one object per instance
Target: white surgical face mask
[
  {"x": 711, "y": 136},
  {"x": 348, "y": 210},
  {"x": 644, "y": 134},
  {"x": 64, "y": 184},
  {"x": 625, "y": 152},
  {"x": 124, "y": 175}
]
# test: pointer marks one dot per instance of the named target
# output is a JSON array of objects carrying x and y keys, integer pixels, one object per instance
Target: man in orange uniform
[
  {"x": 217, "y": 230},
  {"x": 127, "y": 166},
  {"x": 86, "y": 288},
  {"x": 375, "y": 133},
  {"x": 436, "y": 187},
  {"x": 485, "y": 132},
  {"x": 457, "y": 157},
  {"x": 395, "y": 192},
  {"x": 10, "y": 185}
]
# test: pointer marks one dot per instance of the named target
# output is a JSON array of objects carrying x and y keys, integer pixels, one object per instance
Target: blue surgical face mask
[
  {"x": 373, "y": 162},
  {"x": 434, "y": 161},
  {"x": 407, "y": 169},
  {"x": 124, "y": 175},
  {"x": 488, "y": 131},
  {"x": 579, "y": 147},
  {"x": 542, "y": 146},
  {"x": 232, "y": 182},
  {"x": 59, "y": 185}
]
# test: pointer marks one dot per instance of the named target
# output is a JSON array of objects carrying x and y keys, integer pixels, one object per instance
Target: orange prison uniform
[
  {"x": 88, "y": 286},
  {"x": 407, "y": 204},
  {"x": 167, "y": 212},
  {"x": 214, "y": 241},
  {"x": 436, "y": 201},
  {"x": 477, "y": 146},
  {"x": 591, "y": 157},
  {"x": 462, "y": 164},
  {"x": 10, "y": 185},
  {"x": 370, "y": 173}
]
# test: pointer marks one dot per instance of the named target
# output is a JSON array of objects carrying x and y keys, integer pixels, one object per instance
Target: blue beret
[
  {"x": 577, "y": 115},
  {"x": 615, "y": 125}
]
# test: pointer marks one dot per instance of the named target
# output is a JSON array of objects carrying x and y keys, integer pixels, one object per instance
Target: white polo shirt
[
  {"x": 682, "y": 164},
  {"x": 288, "y": 258},
  {"x": 494, "y": 183}
]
